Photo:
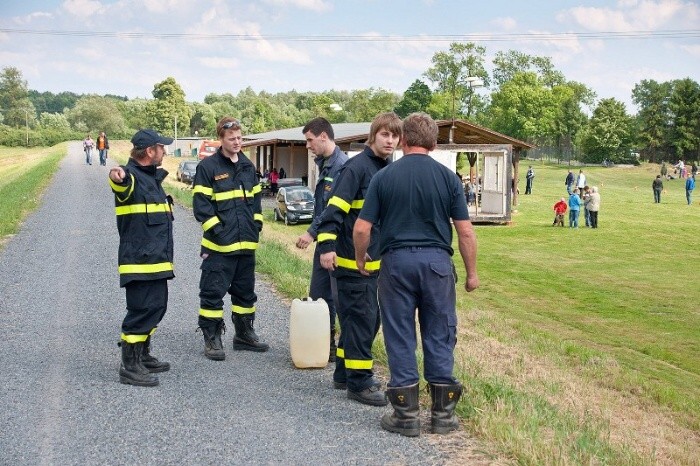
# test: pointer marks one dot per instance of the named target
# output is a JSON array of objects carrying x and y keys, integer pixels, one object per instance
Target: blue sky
[{"x": 275, "y": 60}]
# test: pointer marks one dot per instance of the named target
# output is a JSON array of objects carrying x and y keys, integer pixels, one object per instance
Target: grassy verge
[
  {"x": 26, "y": 173},
  {"x": 581, "y": 346}
]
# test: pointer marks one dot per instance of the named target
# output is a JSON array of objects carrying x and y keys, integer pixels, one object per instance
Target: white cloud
[
  {"x": 693, "y": 50},
  {"x": 634, "y": 15},
  {"x": 505, "y": 23},
  {"x": 32, "y": 16},
  {"x": 314, "y": 5},
  {"x": 82, "y": 8},
  {"x": 219, "y": 62}
]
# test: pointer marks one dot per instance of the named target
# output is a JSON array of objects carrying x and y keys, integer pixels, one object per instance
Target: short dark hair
[
  {"x": 420, "y": 130},
  {"x": 230, "y": 123},
  {"x": 319, "y": 125}
]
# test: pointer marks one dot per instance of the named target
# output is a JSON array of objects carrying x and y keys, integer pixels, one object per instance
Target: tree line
[{"x": 524, "y": 97}]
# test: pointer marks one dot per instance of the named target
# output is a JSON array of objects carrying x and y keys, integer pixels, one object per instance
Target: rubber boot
[
  {"x": 405, "y": 419},
  {"x": 131, "y": 371},
  {"x": 442, "y": 415},
  {"x": 333, "y": 348},
  {"x": 213, "y": 348},
  {"x": 245, "y": 337},
  {"x": 150, "y": 362}
]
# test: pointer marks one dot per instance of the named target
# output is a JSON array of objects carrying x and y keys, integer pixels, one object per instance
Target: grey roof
[{"x": 341, "y": 130}]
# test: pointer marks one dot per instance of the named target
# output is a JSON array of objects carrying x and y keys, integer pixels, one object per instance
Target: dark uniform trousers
[
  {"x": 234, "y": 274},
  {"x": 146, "y": 303},
  {"x": 358, "y": 313},
  {"x": 420, "y": 278},
  {"x": 323, "y": 285}
]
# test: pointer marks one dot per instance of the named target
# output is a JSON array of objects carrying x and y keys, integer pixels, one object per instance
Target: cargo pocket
[
  {"x": 445, "y": 271},
  {"x": 212, "y": 278},
  {"x": 354, "y": 298}
]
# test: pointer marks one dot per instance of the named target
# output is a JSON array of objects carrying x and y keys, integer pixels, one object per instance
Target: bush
[{"x": 16, "y": 137}]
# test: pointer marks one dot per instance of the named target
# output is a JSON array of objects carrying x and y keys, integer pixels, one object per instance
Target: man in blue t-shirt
[{"x": 413, "y": 201}]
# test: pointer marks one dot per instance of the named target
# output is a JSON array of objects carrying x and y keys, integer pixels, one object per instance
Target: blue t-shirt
[{"x": 412, "y": 200}]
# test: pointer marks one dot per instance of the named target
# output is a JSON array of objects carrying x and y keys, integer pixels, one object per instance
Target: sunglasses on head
[{"x": 229, "y": 124}]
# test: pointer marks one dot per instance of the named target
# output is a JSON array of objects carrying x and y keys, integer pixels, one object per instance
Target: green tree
[
  {"x": 415, "y": 99},
  {"x": 653, "y": 118},
  {"x": 508, "y": 64},
  {"x": 18, "y": 110},
  {"x": 54, "y": 121},
  {"x": 134, "y": 114},
  {"x": 523, "y": 108},
  {"x": 167, "y": 107},
  {"x": 607, "y": 135},
  {"x": 570, "y": 117},
  {"x": 366, "y": 104},
  {"x": 93, "y": 114},
  {"x": 53, "y": 103},
  {"x": 450, "y": 71},
  {"x": 685, "y": 125},
  {"x": 203, "y": 121}
]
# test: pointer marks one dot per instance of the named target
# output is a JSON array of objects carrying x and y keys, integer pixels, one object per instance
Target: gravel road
[{"x": 61, "y": 400}]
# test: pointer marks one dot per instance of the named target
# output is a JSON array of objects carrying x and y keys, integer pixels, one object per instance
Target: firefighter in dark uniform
[
  {"x": 145, "y": 224},
  {"x": 413, "y": 201},
  {"x": 226, "y": 200},
  {"x": 358, "y": 309},
  {"x": 329, "y": 159}
]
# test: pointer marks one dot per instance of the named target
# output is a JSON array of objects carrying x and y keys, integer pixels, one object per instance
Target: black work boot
[
  {"x": 372, "y": 395},
  {"x": 131, "y": 371},
  {"x": 405, "y": 419},
  {"x": 442, "y": 415},
  {"x": 245, "y": 337},
  {"x": 150, "y": 362},
  {"x": 333, "y": 348},
  {"x": 213, "y": 348}
]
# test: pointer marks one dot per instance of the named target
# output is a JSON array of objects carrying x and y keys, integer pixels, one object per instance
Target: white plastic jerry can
[{"x": 309, "y": 333}]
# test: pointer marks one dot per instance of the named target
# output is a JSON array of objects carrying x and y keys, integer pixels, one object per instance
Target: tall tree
[
  {"x": 14, "y": 98},
  {"x": 168, "y": 107},
  {"x": 450, "y": 73},
  {"x": 508, "y": 64},
  {"x": 365, "y": 104},
  {"x": 607, "y": 135},
  {"x": 415, "y": 99},
  {"x": 570, "y": 117},
  {"x": 94, "y": 114},
  {"x": 685, "y": 126},
  {"x": 653, "y": 118}
]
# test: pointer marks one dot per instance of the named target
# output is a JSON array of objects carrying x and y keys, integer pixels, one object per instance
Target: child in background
[{"x": 559, "y": 211}]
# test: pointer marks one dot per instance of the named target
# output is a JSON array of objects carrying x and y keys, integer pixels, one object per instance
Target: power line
[{"x": 478, "y": 37}]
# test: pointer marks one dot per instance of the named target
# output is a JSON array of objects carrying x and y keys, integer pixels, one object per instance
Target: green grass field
[{"x": 580, "y": 346}]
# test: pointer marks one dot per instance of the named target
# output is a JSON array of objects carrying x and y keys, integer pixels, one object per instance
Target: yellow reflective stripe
[
  {"x": 233, "y": 194},
  {"x": 242, "y": 310},
  {"x": 257, "y": 189},
  {"x": 146, "y": 268},
  {"x": 229, "y": 248},
  {"x": 210, "y": 223},
  {"x": 371, "y": 266},
  {"x": 212, "y": 314},
  {"x": 118, "y": 188},
  {"x": 340, "y": 353},
  {"x": 358, "y": 364},
  {"x": 258, "y": 217},
  {"x": 134, "y": 338},
  {"x": 329, "y": 179},
  {"x": 358, "y": 203},
  {"x": 326, "y": 237},
  {"x": 142, "y": 209},
  {"x": 202, "y": 190},
  {"x": 152, "y": 331},
  {"x": 339, "y": 203}
]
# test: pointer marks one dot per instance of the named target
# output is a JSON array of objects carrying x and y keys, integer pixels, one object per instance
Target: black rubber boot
[
  {"x": 131, "y": 371},
  {"x": 213, "y": 348},
  {"x": 405, "y": 419},
  {"x": 151, "y": 362},
  {"x": 442, "y": 415},
  {"x": 333, "y": 348},
  {"x": 246, "y": 338}
]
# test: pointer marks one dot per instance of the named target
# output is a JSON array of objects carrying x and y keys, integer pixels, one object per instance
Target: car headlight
[{"x": 291, "y": 207}]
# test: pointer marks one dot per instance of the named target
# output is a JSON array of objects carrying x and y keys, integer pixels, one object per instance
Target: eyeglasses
[{"x": 231, "y": 123}]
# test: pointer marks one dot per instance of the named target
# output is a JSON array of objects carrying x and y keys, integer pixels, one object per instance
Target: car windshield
[
  {"x": 190, "y": 166},
  {"x": 299, "y": 195}
]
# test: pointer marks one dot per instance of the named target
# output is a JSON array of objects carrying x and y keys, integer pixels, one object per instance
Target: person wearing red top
[
  {"x": 274, "y": 179},
  {"x": 559, "y": 211}
]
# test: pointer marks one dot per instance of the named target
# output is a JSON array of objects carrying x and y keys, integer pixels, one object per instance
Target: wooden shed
[{"x": 494, "y": 158}]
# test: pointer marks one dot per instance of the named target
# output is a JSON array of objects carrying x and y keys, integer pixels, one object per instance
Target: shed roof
[{"x": 465, "y": 133}]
